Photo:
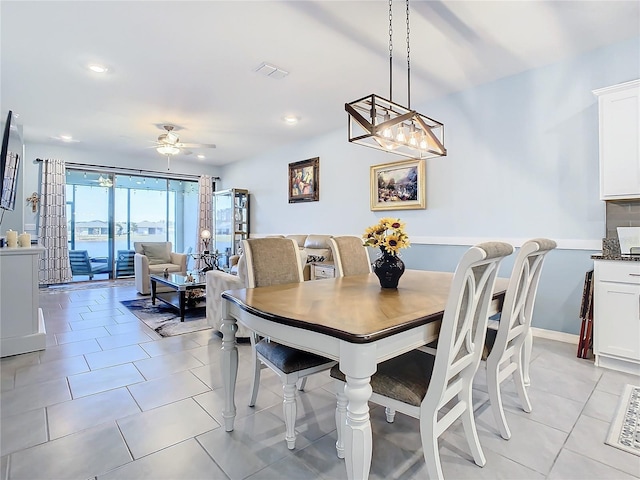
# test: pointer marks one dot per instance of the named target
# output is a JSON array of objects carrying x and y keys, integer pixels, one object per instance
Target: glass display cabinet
[{"x": 231, "y": 222}]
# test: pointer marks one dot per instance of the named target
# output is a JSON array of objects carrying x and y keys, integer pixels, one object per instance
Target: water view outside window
[{"x": 107, "y": 213}]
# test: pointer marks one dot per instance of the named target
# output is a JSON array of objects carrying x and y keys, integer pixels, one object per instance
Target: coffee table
[{"x": 177, "y": 282}]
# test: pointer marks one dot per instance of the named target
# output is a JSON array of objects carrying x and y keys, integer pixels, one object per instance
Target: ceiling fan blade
[{"x": 198, "y": 145}]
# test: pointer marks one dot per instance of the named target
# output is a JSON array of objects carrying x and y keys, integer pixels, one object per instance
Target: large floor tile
[
  {"x": 82, "y": 455},
  {"x": 80, "y": 335},
  {"x": 574, "y": 466},
  {"x": 34, "y": 396},
  {"x": 69, "y": 350},
  {"x": 122, "y": 340},
  {"x": 166, "y": 364},
  {"x": 85, "y": 412},
  {"x": 602, "y": 405},
  {"x": 253, "y": 445},
  {"x": 115, "y": 356},
  {"x": 49, "y": 370},
  {"x": 186, "y": 460},
  {"x": 587, "y": 438},
  {"x": 169, "y": 345},
  {"x": 104, "y": 379},
  {"x": 532, "y": 444},
  {"x": 613, "y": 381},
  {"x": 213, "y": 402},
  {"x": 164, "y": 390},
  {"x": 23, "y": 430},
  {"x": 151, "y": 431},
  {"x": 577, "y": 388}
]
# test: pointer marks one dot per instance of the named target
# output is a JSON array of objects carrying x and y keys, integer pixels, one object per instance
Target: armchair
[{"x": 155, "y": 257}]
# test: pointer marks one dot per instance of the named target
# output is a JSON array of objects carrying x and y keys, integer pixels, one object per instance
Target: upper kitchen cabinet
[{"x": 619, "y": 108}]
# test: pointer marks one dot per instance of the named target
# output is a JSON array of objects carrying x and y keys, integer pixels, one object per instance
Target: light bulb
[
  {"x": 400, "y": 137},
  {"x": 423, "y": 143},
  {"x": 413, "y": 141},
  {"x": 387, "y": 133}
]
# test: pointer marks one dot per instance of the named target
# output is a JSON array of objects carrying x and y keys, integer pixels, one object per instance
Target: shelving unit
[{"x": 231, "y": 222}]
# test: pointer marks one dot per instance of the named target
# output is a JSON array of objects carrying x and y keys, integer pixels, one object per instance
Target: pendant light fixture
[{"x": 384, "y": 125}]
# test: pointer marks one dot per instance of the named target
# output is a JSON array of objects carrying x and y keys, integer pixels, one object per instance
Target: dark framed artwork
[
  {"x": 398, "y": 186},
  {"x": 304, "y": 181}
]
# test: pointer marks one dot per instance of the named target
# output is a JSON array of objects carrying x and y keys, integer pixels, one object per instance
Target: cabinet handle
[{"x": 634, "y": 274}]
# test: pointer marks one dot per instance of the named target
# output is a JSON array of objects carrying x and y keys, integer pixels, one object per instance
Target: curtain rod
[{"x": 125, "y": 170}]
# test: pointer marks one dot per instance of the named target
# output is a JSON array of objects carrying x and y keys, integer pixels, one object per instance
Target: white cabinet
[
  {"x": 619, "y": 110},
  {"x": 616, "y": 341},
  {"x": 322, "y": 270},
  {"x": 21, "y": 321}
]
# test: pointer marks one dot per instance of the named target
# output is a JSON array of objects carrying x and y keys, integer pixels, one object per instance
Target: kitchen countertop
[{"x": 619, "y": 257}]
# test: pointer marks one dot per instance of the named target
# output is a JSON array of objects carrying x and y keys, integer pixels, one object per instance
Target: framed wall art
[
  {"x": 304, "y": 181},
  {"x": 398, "y": 186}
]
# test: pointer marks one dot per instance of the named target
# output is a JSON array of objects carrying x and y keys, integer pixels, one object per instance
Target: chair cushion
[
  {"x": 157, "y": 253},
  {"x": 404, "y": 378},
  {"x": 288, "y": 359},
  {"x": 160, "y": 267}
]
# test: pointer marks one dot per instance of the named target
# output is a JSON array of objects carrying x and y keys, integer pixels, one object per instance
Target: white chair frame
[
  {"x": 511, "y": 352},
  {"x": 289, "y": 380},
  {"x": 460, "y": 344}
]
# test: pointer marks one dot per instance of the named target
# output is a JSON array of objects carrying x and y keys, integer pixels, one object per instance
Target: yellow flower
[{"x": 388, "y": 234}]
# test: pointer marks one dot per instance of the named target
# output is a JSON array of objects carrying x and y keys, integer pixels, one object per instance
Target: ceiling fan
[{"x": 169, "y": 144}]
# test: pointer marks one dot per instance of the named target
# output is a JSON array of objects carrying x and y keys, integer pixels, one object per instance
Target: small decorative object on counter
[
  {"x": 12, "y": 238},
  {"x": 166, "y": 272},
  {"x": 189, "y": 278},
  {"x": 390, "y": 237},
  {"x": 24, "y": 240}
]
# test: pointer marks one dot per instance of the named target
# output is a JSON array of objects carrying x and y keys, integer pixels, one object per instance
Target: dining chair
[
  {"x": 275, "y": 261},
  {"x": 509, "y": 340},
  {"x": 350, "y": 256},
  {"x": 419, "y": 384}
]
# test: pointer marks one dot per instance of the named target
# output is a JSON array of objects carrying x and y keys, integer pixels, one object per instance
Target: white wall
[{"x": 522, "y": 162}]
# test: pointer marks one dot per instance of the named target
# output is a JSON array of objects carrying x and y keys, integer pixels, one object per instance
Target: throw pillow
[
  {"x": 315, "y": 258},
  {"x": 157, "y": 253}
]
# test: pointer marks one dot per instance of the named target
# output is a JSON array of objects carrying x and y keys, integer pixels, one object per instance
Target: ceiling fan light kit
[{"x": 385, "y": 125}]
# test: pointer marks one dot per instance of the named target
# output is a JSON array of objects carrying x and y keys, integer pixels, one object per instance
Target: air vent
[{"x": 271, "y": 71}]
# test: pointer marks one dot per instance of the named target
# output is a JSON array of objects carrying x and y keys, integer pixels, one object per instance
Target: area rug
[
  {"x": 625, "y": 428},
  {"x": 166, "y": 320}
]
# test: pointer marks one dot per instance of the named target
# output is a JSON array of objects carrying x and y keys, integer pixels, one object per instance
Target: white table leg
[
  {"x": 229, "y": 366},
  {"x": 358, "y": 364}
]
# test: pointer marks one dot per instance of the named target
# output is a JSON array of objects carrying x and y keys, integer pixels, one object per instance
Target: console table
[{"x": 21, "y": 319}]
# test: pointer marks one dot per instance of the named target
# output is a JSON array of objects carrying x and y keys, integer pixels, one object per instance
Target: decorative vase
[{"x": 389, "y": 268}]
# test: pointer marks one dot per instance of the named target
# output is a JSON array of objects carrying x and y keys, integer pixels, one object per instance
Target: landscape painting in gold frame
[{"x": 398, "y": 186}]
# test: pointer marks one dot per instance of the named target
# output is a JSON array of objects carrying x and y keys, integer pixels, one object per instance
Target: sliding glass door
[{"x": 107, "y": 213}]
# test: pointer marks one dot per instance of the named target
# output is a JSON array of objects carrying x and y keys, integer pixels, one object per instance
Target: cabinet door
[
  {"x": 619, "y": 155},
  {"x": 617, "y": 309}
]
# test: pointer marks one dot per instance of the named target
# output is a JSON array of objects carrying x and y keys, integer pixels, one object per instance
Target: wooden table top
[{"x": 354, "y": 308}]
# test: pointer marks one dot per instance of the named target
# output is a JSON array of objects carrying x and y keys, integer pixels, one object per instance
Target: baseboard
[{"x": 553, "y": 335}]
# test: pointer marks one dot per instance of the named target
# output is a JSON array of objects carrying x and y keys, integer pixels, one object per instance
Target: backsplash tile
[{"x": 621, "y": 213}]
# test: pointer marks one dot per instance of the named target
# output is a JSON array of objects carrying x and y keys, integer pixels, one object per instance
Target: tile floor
[{"x": 109, "y": 399}]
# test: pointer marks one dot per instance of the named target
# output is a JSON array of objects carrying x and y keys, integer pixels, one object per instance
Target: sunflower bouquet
[{"x": 388, "y": 234}]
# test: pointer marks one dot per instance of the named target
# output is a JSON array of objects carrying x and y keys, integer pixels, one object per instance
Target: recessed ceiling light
[
  {"x": 97, "y": 68},
  {"x": 66, "y": 139},
  {"x": 201, "y": 157},
  {"x": 291, "y": 119}
]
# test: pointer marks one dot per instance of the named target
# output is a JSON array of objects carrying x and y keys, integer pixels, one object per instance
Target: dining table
[{"x": 348, "y": 319}]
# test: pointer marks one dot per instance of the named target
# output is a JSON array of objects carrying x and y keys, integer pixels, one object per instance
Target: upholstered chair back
[
  {"x": 271, "y": 261},
  {"x": 350, "y": 256}
]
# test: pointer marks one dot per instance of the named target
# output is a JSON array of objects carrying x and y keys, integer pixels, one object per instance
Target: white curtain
[
  {"x": 205, "y": 214},
  {"x": 52, "y": 235}
]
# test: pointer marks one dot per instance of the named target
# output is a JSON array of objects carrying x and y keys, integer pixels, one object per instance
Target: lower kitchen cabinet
[{"x": 616, "y": 341}]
